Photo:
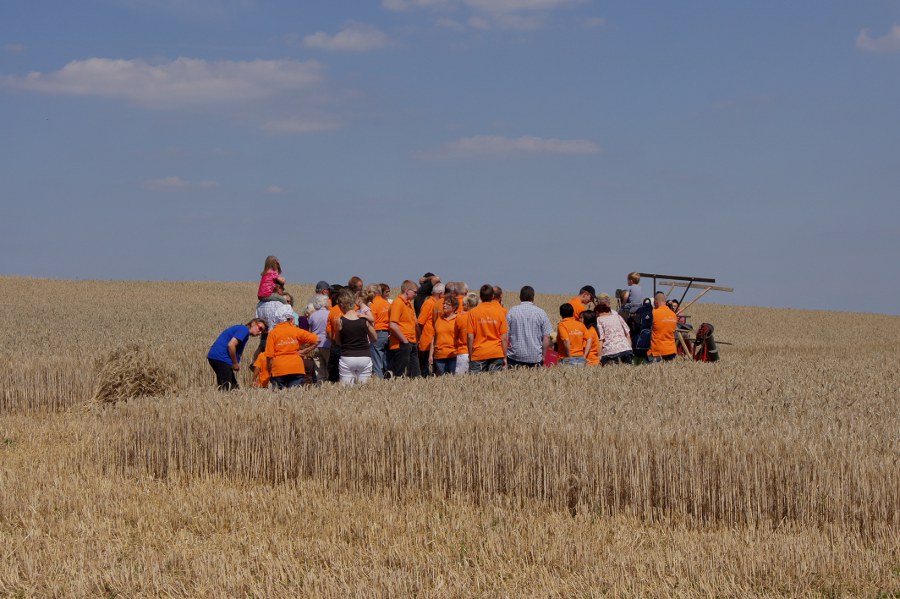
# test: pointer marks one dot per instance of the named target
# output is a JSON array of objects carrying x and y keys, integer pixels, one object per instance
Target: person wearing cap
[
  {"x": 585, "y": 296},
  {"x": 613, "y": 332},
  {"x": 323, "y": 288},
  {"x": 225, "y": 354},
  {"x": 318, "y": 324},
  {"x": 529, "y": 332}
]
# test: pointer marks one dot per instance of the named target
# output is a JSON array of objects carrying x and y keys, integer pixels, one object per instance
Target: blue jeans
[
  {"x": 379, "y": 354},
  {"x": 287, "y": 381},
  {"x": 575, "y": 361},
  {"x": 669, "y": 358},
  {"x": 444, "y": 366},
  {"x": 492, "y": 365}
]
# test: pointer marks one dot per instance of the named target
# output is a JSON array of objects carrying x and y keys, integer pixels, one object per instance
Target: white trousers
[
  {"x": 354, "y": 370},
  {"x": 462, "y": 363}
]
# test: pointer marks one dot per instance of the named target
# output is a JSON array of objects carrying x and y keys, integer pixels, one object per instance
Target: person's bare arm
[
  {"x": 471, "y": 343},
  {"x": 373, "y": 334},
  {"x": 337, "y": 331},
  {"x": 587, "y": 347},
  {"x": 504, "y": 340},
  {"x": 232, "y": 353}
]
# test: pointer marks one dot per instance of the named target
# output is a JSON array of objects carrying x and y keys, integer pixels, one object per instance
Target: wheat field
[{"x": 775, "y": 472}]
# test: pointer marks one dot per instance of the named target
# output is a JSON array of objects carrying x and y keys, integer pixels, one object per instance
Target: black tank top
[{"x": 354, "y": 338}]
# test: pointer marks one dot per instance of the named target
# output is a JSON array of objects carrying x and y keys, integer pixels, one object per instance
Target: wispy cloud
[
  {"x": 354, "y": 37},
  {"x": 890, "y": 42},
  {"x": 495, "y": 146},
  {"x": 177, "y": 184},
  {"x": 274, "y": 190},
  {"x": 181, "y": 82},
  {"x": 12, "y": 48},
  {"x": 300, "y": 125},
  {"x": 522, "y": 15}
]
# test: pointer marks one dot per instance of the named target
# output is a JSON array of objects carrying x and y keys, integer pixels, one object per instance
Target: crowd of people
[{"x": 351, "y": 333}]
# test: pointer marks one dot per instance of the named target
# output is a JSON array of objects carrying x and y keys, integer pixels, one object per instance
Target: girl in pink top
[{"x": 270, "y": 276}]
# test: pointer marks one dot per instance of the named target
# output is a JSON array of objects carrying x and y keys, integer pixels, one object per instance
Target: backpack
[
  {"x": 705, "y": 347},
  {"x": 643, "y": 324}
]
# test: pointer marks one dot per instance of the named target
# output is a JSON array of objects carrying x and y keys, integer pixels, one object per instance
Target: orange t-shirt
[
  {"x": 501, "y": 306},
  {"x": 334, "y": 314},
  {"x": 593, "y": 355},
  {"x": 662, "y": 335},
  {"x": 462, "y": 334},
  {"x": 427, "y": 314},
  {"x": 579, "y": 307},
  {"x": 487, "y": 323},
  {"x": 445, "y": 338},
  {"x": 262, "y": 371},
  {"x": 403, "y": 313},
  {"x": 576, "y": 333},
  {"x": 283, "y": 346},
  {"x": 381, "y": 311}
]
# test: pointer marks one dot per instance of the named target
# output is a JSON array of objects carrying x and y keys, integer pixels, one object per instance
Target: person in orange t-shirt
[
  {"x": 286, "y": 347},
  {"x": 571, "y": 338},
  {"x": 462, "y": 333},
  {"x": 662, "y": 335},
  {"x": 381, "y": 311},
  {"x": 488, "y": 334},
  {"x": 443, "y": 346},
  {"x": 431, "y": 310},
  {"x": 594, "y": 345},
  {"x": 334, "y": 314},
  {"x": 584, "y": 297},
  {"x": 261, "y": 372},
  {"x": 402, "y": 326}
]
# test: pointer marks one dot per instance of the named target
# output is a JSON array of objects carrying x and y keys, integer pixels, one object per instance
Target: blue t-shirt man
[{"x": 219, "y": 349}]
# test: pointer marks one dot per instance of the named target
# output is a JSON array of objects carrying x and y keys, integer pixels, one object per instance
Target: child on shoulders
[{"x": 270, "y": 280}]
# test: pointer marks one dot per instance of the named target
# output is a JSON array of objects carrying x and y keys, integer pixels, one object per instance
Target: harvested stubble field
[{"x": 772, "y": 473}]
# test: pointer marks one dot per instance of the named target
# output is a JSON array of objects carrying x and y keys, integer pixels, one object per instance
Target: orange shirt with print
[
  {"x": 487, "y": 323},
  {"x": 662, "y": 335},
  {"x": 579, "y": 307},
  {"x": 576, "y": 333},
  {"x": 283, "y": 347},
  {"x": 403, "y": 313},
  {"x": 593, "y": 356},
  {"x": 431, "y": 309},
  {"x": 381, "y": 311},
  {"x": 445, "y": 337},
  {"x": 462, "y": 334}
]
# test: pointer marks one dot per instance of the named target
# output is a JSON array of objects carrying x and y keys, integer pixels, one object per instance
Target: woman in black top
[{"x": 353, "y": 333}]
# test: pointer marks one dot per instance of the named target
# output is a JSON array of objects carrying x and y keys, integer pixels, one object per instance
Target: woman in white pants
[
  {"x": 354, "y": 334},
  {"x": 462, "y": 331}
]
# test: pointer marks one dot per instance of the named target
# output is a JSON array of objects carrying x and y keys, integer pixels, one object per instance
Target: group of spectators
[{"x": 351, "y": 333}]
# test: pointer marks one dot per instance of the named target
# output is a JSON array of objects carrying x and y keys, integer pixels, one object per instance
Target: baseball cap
[
  {"x": 589, "y": 289},
  {"x": 322, "y": 285}
]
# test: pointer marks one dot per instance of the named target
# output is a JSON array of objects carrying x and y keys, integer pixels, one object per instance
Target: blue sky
[{"x": 544, "y": 142}]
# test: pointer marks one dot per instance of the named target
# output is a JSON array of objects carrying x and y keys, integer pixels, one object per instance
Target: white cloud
[
  {"x": 274, "y": 190},
  {"x": 495, "y": 146},
  {"x": 297, "y": 125},
  {"x": 13, "y": 48},
  {"x": 354, "y": 37},
  {"x": 177, "y": 184},
  {"x": 401, "y": 5},
  {"x": 890, "y": 42},
  {"x": 525, "y": 15},
  {"x": 181, "y": 82}
]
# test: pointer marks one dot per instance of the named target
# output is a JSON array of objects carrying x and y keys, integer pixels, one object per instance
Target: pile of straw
[{"x": 132, "y": 372}]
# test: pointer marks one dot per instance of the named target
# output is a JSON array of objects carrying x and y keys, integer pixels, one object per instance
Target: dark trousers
[
  {"x": 516, "y": 364},
  {"x": 424, "y": 369},
  {"x": 286, "y": 381},
  {"x": 404, "y": 360},
  {"x": 225, "y": 378},
  {"x": 492, "y": 365},
  {"x": 333, "y": 358}
]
